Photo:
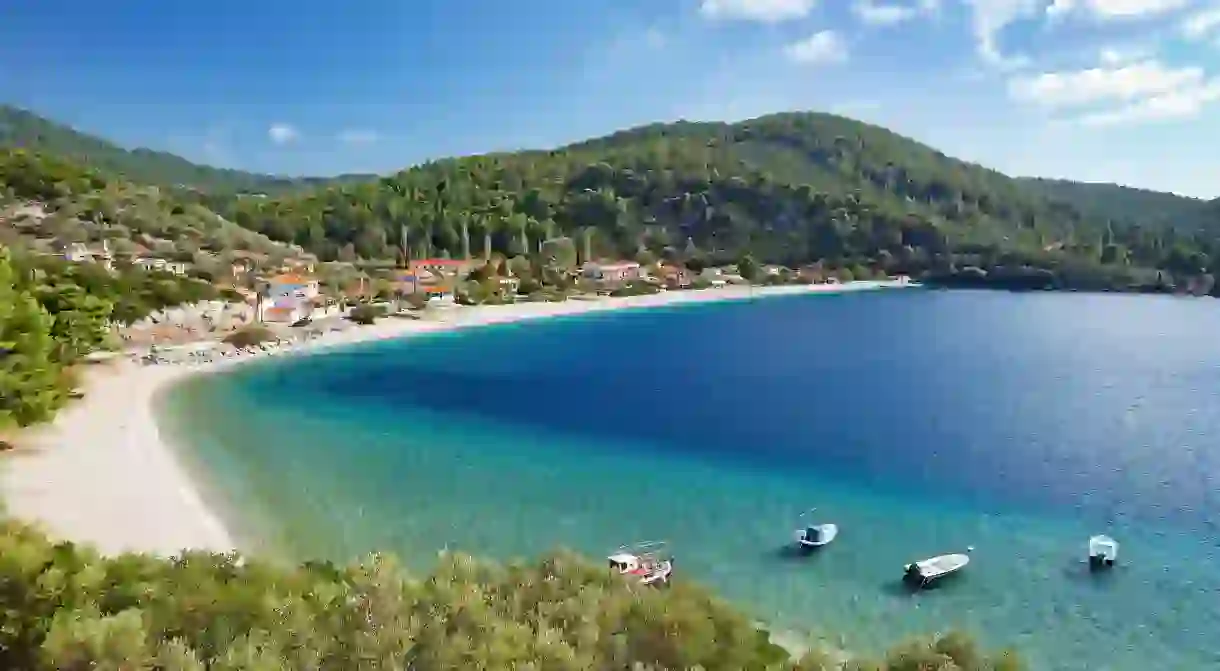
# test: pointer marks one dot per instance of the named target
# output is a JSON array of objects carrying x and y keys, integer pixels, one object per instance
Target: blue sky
[{"x": 1098, "y": 90}]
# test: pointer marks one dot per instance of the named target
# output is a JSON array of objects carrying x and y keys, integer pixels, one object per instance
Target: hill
[
  {"x": 23, "y": 129},
  {"x": 1123, "y": 203},
  {"x": 48, "y": 204},
  {"x": 789, "y": 188}
]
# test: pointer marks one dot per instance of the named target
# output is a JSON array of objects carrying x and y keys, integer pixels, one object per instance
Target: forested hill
[
  {"x": 23, "y": 129},
  {"x": 789, "y": 188},
  {"x": 1113, "y": 201}
]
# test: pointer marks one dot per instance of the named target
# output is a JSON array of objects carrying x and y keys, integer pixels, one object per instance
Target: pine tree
[{"x": 31, "y": 381}]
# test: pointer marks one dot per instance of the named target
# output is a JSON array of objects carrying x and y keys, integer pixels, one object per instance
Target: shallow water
[{"x": 921, "y": 422}]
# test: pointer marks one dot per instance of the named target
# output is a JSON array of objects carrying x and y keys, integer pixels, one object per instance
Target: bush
[
  {"x": 249, "y": 336},
  {"x": 366, "y": 314},
  {"x": 416, "y": 300},
  {"x": 66, "y": 607}
]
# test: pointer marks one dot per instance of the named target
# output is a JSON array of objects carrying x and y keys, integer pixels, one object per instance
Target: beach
[{"x": 102, "y": 474}]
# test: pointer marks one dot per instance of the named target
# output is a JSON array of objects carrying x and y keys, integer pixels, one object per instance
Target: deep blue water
[{"x": 920, "y": 421}]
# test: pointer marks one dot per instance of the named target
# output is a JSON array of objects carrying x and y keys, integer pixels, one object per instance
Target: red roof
[{"x": 439, "y": 262}]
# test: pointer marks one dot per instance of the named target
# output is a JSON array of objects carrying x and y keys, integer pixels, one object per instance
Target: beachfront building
[
  {"x": 614, "y": 272},
  {"x": 445, "y": 268},
  {"x": 292, "y": 285},
  {"x": 152, "y": 263},
  {"x": 675, "y": 277},
  {"x": 288, "y": 298}
]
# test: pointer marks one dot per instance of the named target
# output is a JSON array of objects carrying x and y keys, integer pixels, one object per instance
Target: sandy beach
[{"x": 101, "y": 474}]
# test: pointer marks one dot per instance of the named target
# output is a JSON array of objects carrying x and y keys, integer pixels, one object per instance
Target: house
[
  {"x": 286, "y": 311},
  {"x": 448, "y": 267},
  {"x": 675, "y": 277},
  {"x": 509, "y": 285},
  {"x": 620, "y": 271},
  {"x": 77, "y": 252},
  {"x": 302, "y": 287},
  {"x": 150, "y": 264}
]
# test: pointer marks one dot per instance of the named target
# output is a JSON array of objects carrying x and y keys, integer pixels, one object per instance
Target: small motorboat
[
  {"x": 648, "y": 563},
  {"x": 1103, "y": 552},
  {"x": 923, "y": 573},
  {"x": 810, "y": 536}
]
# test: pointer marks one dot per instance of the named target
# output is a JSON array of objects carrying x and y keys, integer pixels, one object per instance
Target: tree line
[
  {"x": 788, "y": 189},
  {"x": 66, "y": 608}
]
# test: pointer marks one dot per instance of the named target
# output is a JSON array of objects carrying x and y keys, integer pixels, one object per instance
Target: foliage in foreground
[{"x": 65, "y": 607}]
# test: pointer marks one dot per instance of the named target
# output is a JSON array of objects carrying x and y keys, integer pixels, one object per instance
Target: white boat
[
  {"x": 810, "y": 536},
  {"x": 1103, "y": 552},
  {"x": 648, "y": 563},
  {"x": 924, "y": 572}
]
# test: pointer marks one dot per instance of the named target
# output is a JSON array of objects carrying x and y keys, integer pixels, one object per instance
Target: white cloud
[
  {"x": 1119, "y": 92},
  {"x": 358, "y": 136},
  {"x": 885, "y": 14},
  {"x": 1115, "y": 9},
  {"x": 1121, "y": 55},
  {"x": 1201, "y": 23},
  {"x": 763, "y": 11},
  {"x": 989, "y": 17},
  {"x": 1124, "y": 83},
  {"x": 822, "y": 47},
  {"x": 282, "y": 133},
  {"x": 1182, "y": 104}
]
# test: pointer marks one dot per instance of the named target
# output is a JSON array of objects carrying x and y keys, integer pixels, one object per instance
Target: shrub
[
  {"x": 249, "y": 336},
  {"x": 66, "y": 607},
  {"x": 365, "y": 313}
]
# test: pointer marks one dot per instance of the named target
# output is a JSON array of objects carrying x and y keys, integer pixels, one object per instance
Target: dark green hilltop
[{"x": 791, "y": 188}]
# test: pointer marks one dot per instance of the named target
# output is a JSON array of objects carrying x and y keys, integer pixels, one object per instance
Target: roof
[
  {"x": 440, "y": 262},
  {"x": 290, "y": 278},
  {"x": 623, "y": 558}
]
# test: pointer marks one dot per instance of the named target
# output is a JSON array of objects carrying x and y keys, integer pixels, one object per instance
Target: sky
[{"x": 1096, "y": 90}]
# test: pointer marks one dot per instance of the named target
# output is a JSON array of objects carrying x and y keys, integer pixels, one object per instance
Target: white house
[{"x": 620, "y": 271}]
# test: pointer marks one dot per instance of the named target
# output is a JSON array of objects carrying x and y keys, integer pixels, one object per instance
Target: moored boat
[
  {"x": 927, "y": 571},
  {"x": 1103, "y": 552},
  {"x": 810, "y": 536},
  {"x": 649, "y": 563}
]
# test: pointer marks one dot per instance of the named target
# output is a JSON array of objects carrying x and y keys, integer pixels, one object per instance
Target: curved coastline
[{"x": 104, "y": 473}]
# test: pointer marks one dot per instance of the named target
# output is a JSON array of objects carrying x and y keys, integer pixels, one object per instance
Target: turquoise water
[{"x": 920, "y": 422}]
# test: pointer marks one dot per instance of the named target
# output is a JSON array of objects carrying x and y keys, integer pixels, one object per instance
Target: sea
[{"x": 921, "y": 422}]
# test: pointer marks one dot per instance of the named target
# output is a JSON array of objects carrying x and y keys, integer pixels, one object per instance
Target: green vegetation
[
  {"x": 47, "y": 203},
  {"x": 250, "y": 336},
  {"x": 787, "y": 188},
  {"x": 53, "y": 313},
  {"x": 63, "y": 607},
  {"x": 366, "y": 313},
  {"x": 23, "y": 129}
]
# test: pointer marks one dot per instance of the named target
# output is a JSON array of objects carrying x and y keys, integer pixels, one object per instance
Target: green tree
[{"x": 32, "y": 382}]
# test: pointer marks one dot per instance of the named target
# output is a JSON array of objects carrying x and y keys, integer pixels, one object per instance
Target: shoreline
[{"x": 102, "y": 473}]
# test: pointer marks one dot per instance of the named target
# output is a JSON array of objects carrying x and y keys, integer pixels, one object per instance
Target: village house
[
  {"x": 675, "y": 277},
  {"x": 151, "y": 263},
  {"x": 452, "y": 268},
  {"x": 715, "y": 276},
  {"x": 615, "y": 272}
]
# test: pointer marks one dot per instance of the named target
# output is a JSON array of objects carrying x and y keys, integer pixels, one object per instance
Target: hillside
[
  {"x": 23, "y": 129},
  {"x": 47, "y": 203},
  {"x": 1122, "y": 203},
  {"x": 789, "y": 188}
]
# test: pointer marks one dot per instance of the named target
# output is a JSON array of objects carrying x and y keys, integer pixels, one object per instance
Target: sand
[{"x": 101, "y": 474}]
